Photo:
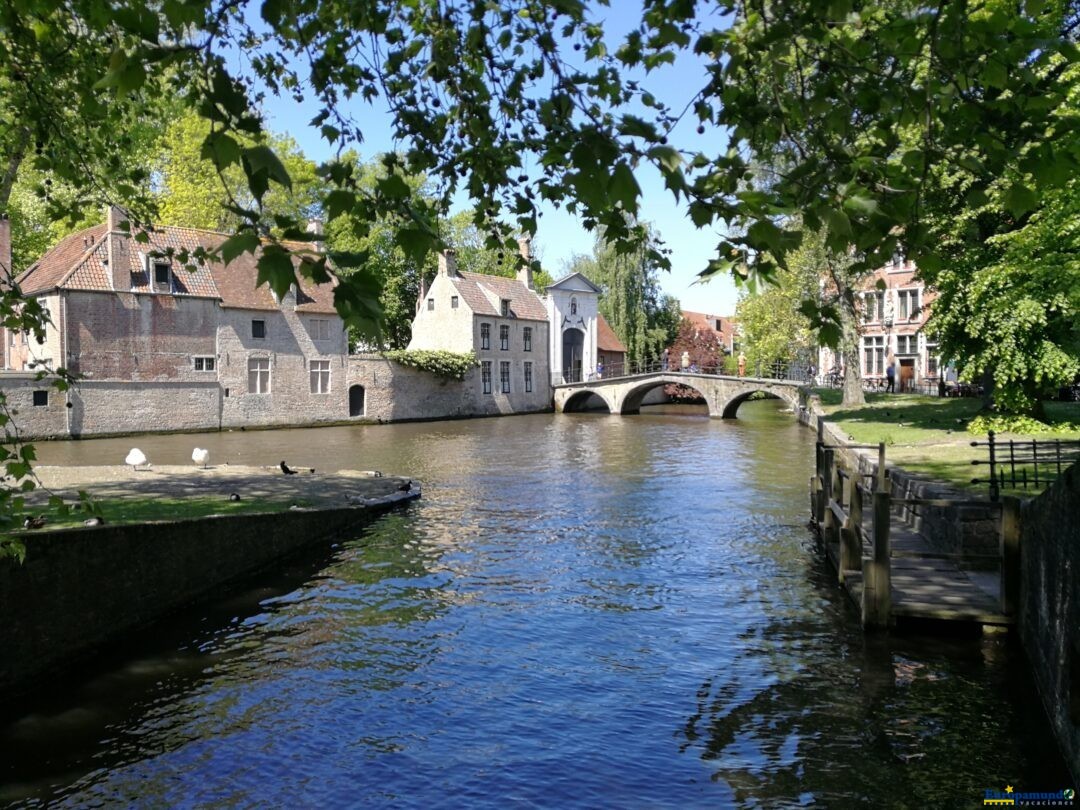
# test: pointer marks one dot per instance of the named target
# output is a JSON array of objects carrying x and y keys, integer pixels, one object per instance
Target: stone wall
[
  {"x": 289, "y": 346},
  {"x": 103, "y": 408},
  {"x": 80, "y": 588},
  {"x": 1050, "y": 605},
  {"x": 35, "y": 421},
  {"x": 395, "y": 393}
]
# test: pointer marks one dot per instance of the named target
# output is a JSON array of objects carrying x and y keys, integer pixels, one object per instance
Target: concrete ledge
[{"x": 81, "y": 588}]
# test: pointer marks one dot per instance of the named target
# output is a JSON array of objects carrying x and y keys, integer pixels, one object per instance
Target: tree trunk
[
  {"x": 12, "y": 171},
  {"x": 849, "y": 348}
]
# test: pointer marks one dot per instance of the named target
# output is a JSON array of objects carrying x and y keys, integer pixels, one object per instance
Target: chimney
[
  {"x": 7, "y": 273},
  {"x": 119, "y": 261},
  {"x": 524, "y": 273},
  {"x": 315, "y": 227},
  {"x": 448, "y": 262},
  {"x": 423, "y": 294}
]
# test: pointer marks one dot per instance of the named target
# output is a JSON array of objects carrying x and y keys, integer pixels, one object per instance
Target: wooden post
[
  {"x": 826, "y": 522},
  {"x": 850, "y": 532},
  {"x": 1010, "y": 555},
  {"x": 877, "y": 572},
  {"x": 881, "y": 467}
]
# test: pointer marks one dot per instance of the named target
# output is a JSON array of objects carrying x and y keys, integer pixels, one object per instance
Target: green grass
[
  {"x": 928, "y": 435},
  {"x": 120, "y": 511}
]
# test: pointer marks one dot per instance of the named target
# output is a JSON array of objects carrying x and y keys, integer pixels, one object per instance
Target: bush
[
  {"x": 448, "y": 365},
  {"x": 1024, "y": 425}
]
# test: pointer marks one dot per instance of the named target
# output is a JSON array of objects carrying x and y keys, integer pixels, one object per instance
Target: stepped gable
[
  {"x": 484, "y": 295},
  {"x": 80, "y": 262}
]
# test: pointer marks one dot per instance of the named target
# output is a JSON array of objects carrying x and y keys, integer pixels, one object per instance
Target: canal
[{"x": 582, "y": 611}]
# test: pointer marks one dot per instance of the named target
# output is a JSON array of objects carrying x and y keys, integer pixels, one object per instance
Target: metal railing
[
  {"x": 778, "y": 370},
  {"x": 1026, "y": 464}
]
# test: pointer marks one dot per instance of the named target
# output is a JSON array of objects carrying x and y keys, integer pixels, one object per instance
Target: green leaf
[
  {"x": 261, "y": 158},
  {"x": 220, "y": 149},
  {"x": 1020, "y": 199},
  {"x": 237, "y": 244},
  {"x": 276, "y": 269},
  {"x": 667, "y": 157},
  {"x": 338, "y": 202},
  {"x": 624, "y": 187}
]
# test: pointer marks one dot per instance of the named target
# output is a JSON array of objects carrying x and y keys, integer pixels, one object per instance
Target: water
[{"x": 582, "y": 611}]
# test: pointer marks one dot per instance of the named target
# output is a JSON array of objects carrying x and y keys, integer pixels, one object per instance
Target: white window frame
[
  {"x": 485, "y": 376},
  {"x": 528, "y": 377},
  {"x": 320, "y": 328},
  {"x": 504, "y": 376},
  {"x": 504, "y": 337},
  {"x": 526, "y": 338},
  {"x": 319, "y": 376},
  {"x": 259, "y": 375},
  {"x": 873, "y": 355},
  {"x": 205, "y": 360}
]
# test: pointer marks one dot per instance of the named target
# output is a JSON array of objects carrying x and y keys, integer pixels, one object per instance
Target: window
[
  {"x": 528, "y": 378},
  {"x": 485, "y": 375},
  {"x": 162, "y": 273},
  {"x": 320, "y": 376},
  {"x": 906, "y": 344},
  {"x": 909, "y": 303},
  {"x": 320, "y": 329},
  {"x": 41, "y": 398},
  {"x": 485, "y": 336},
  {"x": 259, "y": 375},
  {"x": 526, "y": 336},
  {"x": 453, "y": 302},
  {"x": 873, "y": 306},
  {"x": 573, "y": 306},
  {"x": 205, "y": 363},
  {"x": 897, "y": 258},
  {"x": 504, "y": 337},
  {"x": 431, "y": 304},
  {"x": 931, "y": 359},
  {"x": 258, "y": 329},
  {"x": 504, "y": 376},
  {"x": 505, "y": 307},
  {"x": 873, "y": 355}
]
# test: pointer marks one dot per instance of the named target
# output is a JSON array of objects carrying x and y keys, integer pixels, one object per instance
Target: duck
[
  {"x": 285, "y": 469},
  {"x": 94, "y": 521},
  {"x": 34, "y": 522},
  {"x": 406, "y": 486},
  {"x": 200, "y": 455},
  {"x": 136, "y": 458},
  {"x": 234, "y": 497}
]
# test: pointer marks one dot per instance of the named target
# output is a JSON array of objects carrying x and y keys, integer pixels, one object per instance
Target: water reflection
[{"x": 585, "y": 610}]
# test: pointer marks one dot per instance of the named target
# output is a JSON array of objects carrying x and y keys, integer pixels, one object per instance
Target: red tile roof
[
  {"x": 80, "y": 262},
  {"x": 606, "y": 339},
  {"x": 484, "y": 295}
]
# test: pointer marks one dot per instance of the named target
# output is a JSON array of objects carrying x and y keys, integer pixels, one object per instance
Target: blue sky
[{"x": 561, "y": 235}]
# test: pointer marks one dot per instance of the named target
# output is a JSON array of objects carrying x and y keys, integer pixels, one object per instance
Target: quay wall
[
  {"x": 81, "y": 588},
  {"x": 391, "y": 393},
  {"x": 1049, "y": 617}
]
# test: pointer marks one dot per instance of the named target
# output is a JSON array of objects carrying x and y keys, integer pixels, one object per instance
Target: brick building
[
  {"x": 894, "y": 307},
  {"x": 502, "y": 320},
  {"x": 157, "y": 344}
]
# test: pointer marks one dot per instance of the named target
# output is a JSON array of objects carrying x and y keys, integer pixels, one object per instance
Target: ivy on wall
[{"x": 448, "y": 365}]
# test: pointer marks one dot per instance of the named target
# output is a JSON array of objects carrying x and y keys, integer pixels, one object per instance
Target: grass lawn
[
  {"x": 118, "y": 511},
  {"x": 929, "y": 435}
]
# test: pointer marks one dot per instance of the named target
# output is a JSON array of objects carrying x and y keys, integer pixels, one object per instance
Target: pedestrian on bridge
[
  {"x": 686, "y": 361},
  {"x": 742, "y": 364},
  {"x": 667, "y": 359}
]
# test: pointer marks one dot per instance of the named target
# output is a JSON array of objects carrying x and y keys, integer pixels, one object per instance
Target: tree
[{"x": 643, "y": 317}]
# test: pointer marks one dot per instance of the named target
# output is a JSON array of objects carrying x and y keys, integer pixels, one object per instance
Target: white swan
[
  {"x": 136, "y": 458},
  {"x": 200, "y": 455}
]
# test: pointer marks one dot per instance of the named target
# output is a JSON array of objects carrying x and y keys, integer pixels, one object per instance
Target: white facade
[{"x": 572, "y": 305}]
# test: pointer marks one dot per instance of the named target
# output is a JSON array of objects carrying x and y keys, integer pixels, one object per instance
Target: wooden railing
[{"x": 837, "y": 501}]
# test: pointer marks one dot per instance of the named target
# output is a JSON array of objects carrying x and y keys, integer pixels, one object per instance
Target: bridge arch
[
  {"x": 580, "y": 401},
  {"x": 635, "y": 395},
  {"x": 783, "y": 393}
]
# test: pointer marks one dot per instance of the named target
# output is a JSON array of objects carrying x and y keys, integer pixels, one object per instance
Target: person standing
[
  {"x": 685, "y": 361},
  {"x": 742, "y": 364},
  {"x": 667, "y": 359},
  {"x": 890, "y": 374}
]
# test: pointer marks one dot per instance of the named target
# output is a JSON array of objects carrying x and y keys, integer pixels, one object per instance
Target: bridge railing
[{"x": 778, "y": 370}]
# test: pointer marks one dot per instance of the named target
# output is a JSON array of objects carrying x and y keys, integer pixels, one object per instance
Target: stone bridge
[{"x": 722, "y": 394}]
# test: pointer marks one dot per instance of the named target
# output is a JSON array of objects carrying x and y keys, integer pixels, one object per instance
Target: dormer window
[
  {"x": 162, "y": 274},
  {"x": 505, "y": 307},
  {"x": 573, "y": 306}
]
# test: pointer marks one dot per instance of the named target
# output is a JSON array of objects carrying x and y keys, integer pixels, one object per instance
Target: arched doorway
[
  {"x": 356, "y": 400},
  {"x": 573, "y": 348}
]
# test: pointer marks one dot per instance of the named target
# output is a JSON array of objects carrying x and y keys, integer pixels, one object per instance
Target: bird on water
[{"x": 285, "y": 469}]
